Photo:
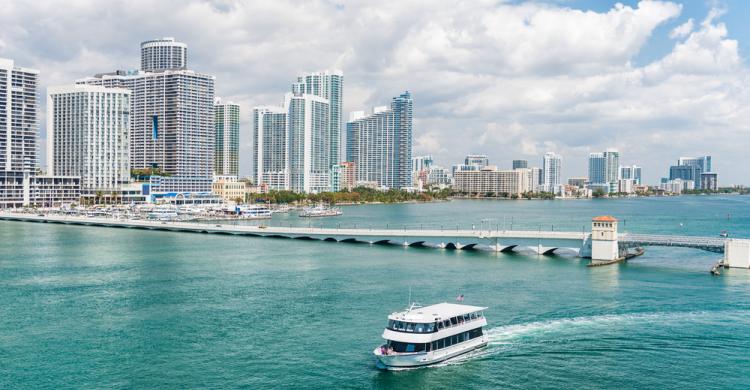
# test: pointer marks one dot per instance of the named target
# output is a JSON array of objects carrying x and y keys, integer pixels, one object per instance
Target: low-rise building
[
  {"x": 22, "y": 189},
  {"x": 491, "y": 181},
  {"x": 229, "y": 188},
  {"x": 579, "y": 182},
  {"x": 343, "y": 176}
]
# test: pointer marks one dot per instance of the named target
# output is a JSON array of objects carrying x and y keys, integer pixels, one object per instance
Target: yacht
[
  {"x": 420, "y": 336},
  {"x": 320, "y": 211},
  {"x": 255, "y": 212}
]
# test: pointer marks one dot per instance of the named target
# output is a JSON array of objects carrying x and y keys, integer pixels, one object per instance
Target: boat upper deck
[{"x": 435, "y": 312}]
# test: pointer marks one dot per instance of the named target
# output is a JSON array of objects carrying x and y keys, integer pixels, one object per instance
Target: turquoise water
[{"x": 89, "y": 307}]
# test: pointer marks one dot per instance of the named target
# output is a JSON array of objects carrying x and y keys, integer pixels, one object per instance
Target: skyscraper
[
  {"x": 328, "y": 85},
  {"x": 700, "y": 165},
  {"x": 518, "y": 164},
  {"x": 307, "y": 143},
  {"x": 18, "y": 117},
  {"x": 227, "y": 143},
  {"x": 704, "y": 162},
  {"x": 163, "y": 54},
  {"x": 88, "y": 130},
  {"x": 380, "y": 144},
  {"x": 20, "y": 186},
  {"x": 269, "y": 147},
  {"x": 551, "y": 172},
  {"x": 631, "y": 172},
  {"x": 172, "y": 122},
  {"x": 604, "y": 170}
]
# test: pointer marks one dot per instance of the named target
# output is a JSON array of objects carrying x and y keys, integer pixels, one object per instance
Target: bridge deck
[{"x": 467, "y": 237}]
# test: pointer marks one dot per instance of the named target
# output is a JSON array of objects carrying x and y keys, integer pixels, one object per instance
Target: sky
[{"x": 510, "y": 79}]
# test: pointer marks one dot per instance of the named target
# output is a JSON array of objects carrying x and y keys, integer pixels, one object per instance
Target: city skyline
[{"x": 620, "y": 92}]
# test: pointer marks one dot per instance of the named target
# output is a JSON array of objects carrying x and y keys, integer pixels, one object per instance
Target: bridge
[{"x": 603, "y": 244}]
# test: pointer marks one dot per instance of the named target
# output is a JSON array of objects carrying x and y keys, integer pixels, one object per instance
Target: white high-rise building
[
  {"x": 20, "y": 186},
  {"x": 307, "y": 138},
  {"x": 18, "y": 117},
  {"x": 88, "y": 129},
  {"x": 163, "y": 54},
  {"x": 269, "y": 147},
  {"x": 172, "y": 123},
  {"x": 227, "y": 144},
  {"x": 328, "y": 85},
  {"x": 551, "y": 172},
  {"x": 380, "y": 144}
]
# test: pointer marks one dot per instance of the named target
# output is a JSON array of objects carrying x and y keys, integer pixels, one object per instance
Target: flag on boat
[{"x": 460, "y": 298}]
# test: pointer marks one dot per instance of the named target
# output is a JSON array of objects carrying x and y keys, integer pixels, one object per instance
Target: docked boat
[
  {"x": 420, "y": 336},
  {"x": 255, "y": 212},
  {"x": 320, "y": 211}
]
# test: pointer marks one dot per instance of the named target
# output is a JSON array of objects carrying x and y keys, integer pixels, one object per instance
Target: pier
[{"x": 603, "y": 244}]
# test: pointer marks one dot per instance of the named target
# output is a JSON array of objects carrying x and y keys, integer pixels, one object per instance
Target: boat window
[
  {"x": 447, "y": 323},
  {"x": 409, "y": 347},
  {"x": 454, "y": 321},
  {"x": 391, "y": 324},
  {"x": 410, "y": 327},
  {"x": 480, "y": 314},
  {"x": 428, "y": 347},
  {"x": 419, "y": 328},
  {"x": 440, "y": 325},
  {"x": 473, "y": 316},
  {"x": 429, "y": 328}
]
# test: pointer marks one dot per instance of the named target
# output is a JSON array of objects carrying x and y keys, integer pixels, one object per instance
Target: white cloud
[
  {"x": 508, "y": 80},
  {"x": 682, "y": 30}
]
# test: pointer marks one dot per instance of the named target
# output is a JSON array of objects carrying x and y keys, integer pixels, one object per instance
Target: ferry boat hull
[{"x": 400, "y": 361}]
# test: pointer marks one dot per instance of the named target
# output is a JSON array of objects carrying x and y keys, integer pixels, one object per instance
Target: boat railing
[{"x": 435, "y": 326}]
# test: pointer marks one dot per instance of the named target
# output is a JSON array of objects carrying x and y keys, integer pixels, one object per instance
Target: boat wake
[{"x": 507, "y": 338}]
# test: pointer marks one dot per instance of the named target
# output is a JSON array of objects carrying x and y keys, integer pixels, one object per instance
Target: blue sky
[{"x": 507, "y": 79}]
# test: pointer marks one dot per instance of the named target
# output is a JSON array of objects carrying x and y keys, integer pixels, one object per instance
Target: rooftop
[
  {"x": 605, "y": 218},
  {"x": 430, "y": 313}
]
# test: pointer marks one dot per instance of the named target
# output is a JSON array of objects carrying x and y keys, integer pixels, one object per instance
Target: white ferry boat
[
  {"x": 420, "y": 336},
  {"x": 320, "y": 211}
]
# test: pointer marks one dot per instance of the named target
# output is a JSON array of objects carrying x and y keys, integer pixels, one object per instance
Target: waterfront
[{"x": 96, "y": 307}]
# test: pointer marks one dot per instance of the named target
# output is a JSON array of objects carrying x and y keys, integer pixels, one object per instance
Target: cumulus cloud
[
  {"x": 508, "y": 80},
  {"x": 682, "y": 30}
]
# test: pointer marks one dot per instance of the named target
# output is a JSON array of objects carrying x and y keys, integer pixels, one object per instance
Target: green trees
[
  {"x": 145, "y": 173},
  {"x": 356, "y": 195}
]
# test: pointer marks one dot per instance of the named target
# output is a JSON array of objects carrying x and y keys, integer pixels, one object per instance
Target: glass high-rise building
[
  {"x": 18, "y": 117},
  {"x": 380, "y": 144},
  {"x": 604, "y": 170},
  {"x": 704, "y": 162},
  {"x": 632, "y": 172},
  {"x": 520, "y": 164},
  {"x": 88, "y": 135},
  {"x": 328, "y": 85},
  {"x": 227, "y": 144},
  {"x": 172, "y": 123}
]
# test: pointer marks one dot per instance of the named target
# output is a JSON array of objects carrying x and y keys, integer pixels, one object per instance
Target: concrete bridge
[{"x": 603, "y": 244}]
